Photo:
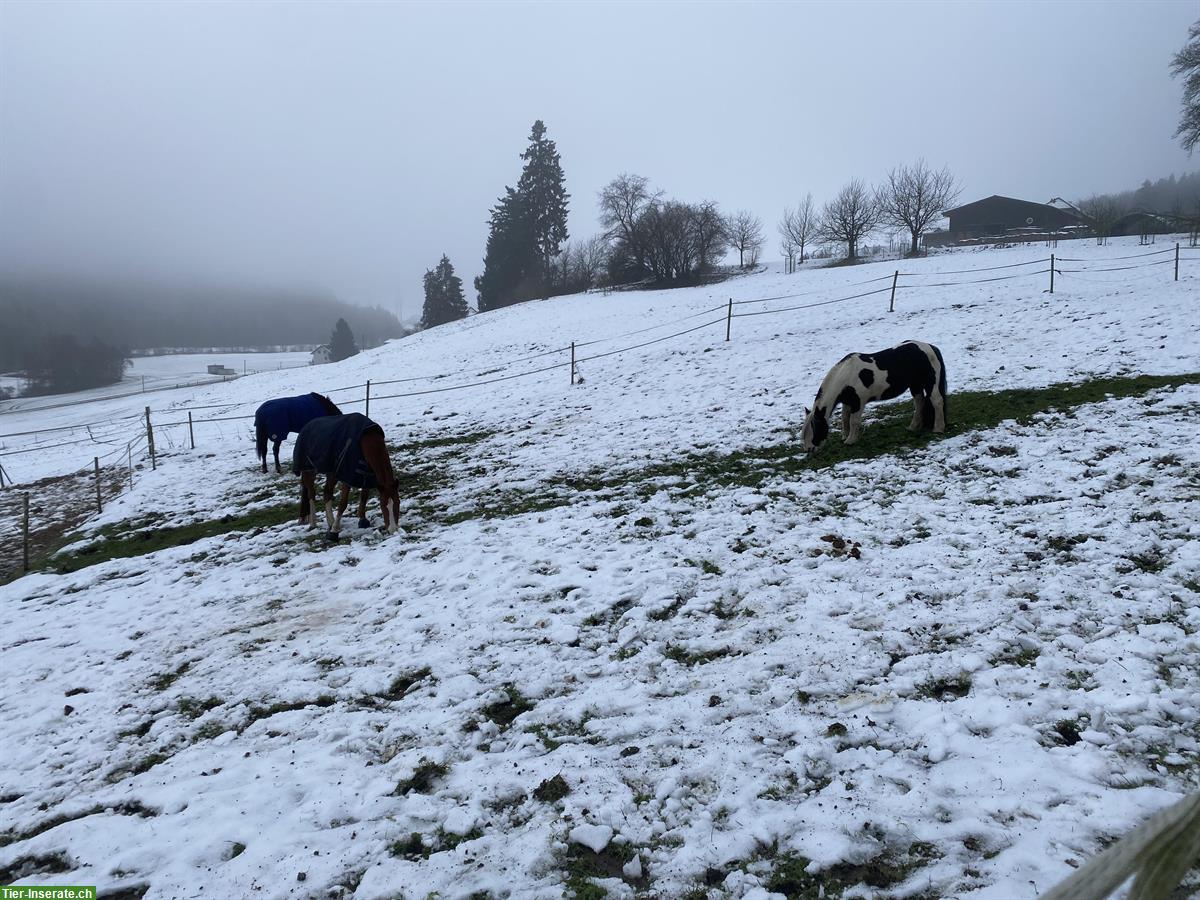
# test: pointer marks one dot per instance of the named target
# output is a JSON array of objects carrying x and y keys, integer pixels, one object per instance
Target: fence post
[
  {"x": 1, "y": 476},
  {"x": 96, "y": 463},
  {"x": 572, "y": 362},
  {"x": 191, "y": 433},
  {"x": 25, "y": 537},
  {"x": 729, "y": 319},
  {"x": 892, "y": 302},
  {"x": 150, "y": 439},
  {"x": 1052, "y": 273},
  {"x": 367, "y": 412},
  {"x": 1177, "y": 260}
]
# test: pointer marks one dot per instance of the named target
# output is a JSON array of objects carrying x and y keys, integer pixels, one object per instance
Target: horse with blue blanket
[
  {"x": 276, "y": 419},
  {"x": 349, "y": 450}
]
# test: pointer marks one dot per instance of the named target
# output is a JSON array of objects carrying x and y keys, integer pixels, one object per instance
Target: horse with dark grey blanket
[
  {"x": 349, "y": 450},
  {"x": 276, "y": 419}
]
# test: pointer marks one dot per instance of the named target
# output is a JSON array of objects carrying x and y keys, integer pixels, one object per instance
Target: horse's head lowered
[{"x": 816, "y": 429}]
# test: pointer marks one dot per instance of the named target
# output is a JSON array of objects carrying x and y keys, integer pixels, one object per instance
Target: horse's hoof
[
  {"x": 364, "y": 523},
  {"x": 332, "y": 537}
]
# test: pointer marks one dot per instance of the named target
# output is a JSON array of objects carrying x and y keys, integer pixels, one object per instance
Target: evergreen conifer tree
[
  {"x": 444, "y": 300},
  {"x": 542, "y": 187},
  {"x": 341, "y": 342},
  {"x": 526, "y": 229}
]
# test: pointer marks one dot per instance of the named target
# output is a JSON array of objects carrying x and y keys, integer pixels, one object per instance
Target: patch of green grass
[
  {"x": 503, "y": 712},
  {"x": 690, "y": 658},
  {"x": 552, "y": 790},
  {"x": 166, "y": 679},
  {"x": 1017, "y": 656},
  {"x": 422, "y": 779},
  {"x": 583, "y": 865},
  {"x": 402, "y": 683},
  {"x": 194, "y": 709},
  {"x": 791, "y": 878},
  {"x": 951, "y": 688},
  {"x": 139, "y": 537},
  {"x": 255, "y": 712}
]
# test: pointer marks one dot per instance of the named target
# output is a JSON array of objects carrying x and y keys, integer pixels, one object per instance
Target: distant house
[
  {"x": 215, "y": 369},
  {"x": 1142, "y": 223},
  {"x": 320, "y": 356},
  {"x": 1006, "y": 217}
]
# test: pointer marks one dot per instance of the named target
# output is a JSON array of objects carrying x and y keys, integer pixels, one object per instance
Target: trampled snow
[{"x": 699, "y": 677}]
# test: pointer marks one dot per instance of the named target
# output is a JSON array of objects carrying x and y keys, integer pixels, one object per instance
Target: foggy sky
[{"x": 347, "y": 146}]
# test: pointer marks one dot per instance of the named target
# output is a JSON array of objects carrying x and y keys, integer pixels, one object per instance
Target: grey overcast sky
[{"x": 348, "y": 145}]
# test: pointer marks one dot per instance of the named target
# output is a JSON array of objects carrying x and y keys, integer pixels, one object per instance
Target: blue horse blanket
[
  {"x": 281, "y": 417},
  {"x": 332, "y": 445}
]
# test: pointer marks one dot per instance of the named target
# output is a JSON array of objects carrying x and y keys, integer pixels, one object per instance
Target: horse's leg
[
  {"x": 328, "y": 494},
  {"x": 308, "y": 487},
  {"x": 855, "y": 427},
  {"x": 938, "y": 401},
  {"x": 846, "y": 423},
  {"x": 343, "y": 502},
  {"x": 278, "y": 469},
  {"x": 363, "y": 496},
  {"x": 919, "y": 401}
]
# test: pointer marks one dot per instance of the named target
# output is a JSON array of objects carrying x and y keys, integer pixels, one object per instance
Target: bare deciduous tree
[
  {"x": 710, "y": 237},
  {"x": 914, "y": 197},
  {"x": 849, "y": 217},
  {"x": 744, "y": 231},
  {"x": 798, "y": 227},
  {"x": 1187, "y": 63},
  {"x": 1102, "y": 212}
]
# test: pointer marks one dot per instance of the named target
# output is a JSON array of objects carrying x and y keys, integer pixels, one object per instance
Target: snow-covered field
[{"x": 956, "y": 671}]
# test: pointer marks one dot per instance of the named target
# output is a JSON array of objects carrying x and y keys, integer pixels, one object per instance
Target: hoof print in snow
[
  {"x": 611, "y": 861},
  {"x": 422, "y": 779},
  {"x": 68, "y": 709},
  {"x": 631, "y": 751},
  {"x": 837, "y": 729},
  {"x": 552, "y": 790},
  {"x": 302, "y": 876},
  {"x": 1067, "y": 732}
]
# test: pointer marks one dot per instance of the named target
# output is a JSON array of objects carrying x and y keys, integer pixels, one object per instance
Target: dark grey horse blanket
[
  {"x": 332, "y": 445},
  {"x": 288, "y": 414}
]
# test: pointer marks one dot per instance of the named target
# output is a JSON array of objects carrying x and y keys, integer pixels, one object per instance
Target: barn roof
[{"x": 974, "y": 203}]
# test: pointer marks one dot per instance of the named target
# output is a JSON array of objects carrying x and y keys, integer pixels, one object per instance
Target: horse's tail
[
  {"x": 260, "y": 440},
  {"x": 942, "y": 383}
]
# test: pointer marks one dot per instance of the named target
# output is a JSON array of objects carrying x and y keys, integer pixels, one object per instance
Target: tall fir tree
[
  {"x": 341, "y": 342},
  {"x": 444, "y": 300},
  {"x": 543, "y": 189},
  {"x": 526, "y": 229}
]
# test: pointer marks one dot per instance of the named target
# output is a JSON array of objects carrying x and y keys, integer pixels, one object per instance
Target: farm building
[
  {"x": 1142, "y": 223},
  {"x": 1005, "y": 217},
  {"x": 320, "y": 356}
]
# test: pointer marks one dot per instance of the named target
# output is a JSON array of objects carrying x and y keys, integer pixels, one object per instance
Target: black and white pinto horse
[{"x": 860, "y": 378}]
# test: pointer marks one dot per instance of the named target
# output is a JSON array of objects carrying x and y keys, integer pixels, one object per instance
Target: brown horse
[{"x": 349, "y": 450}]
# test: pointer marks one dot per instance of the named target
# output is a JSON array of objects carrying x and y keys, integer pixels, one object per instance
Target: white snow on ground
[{"x": 971, "y": 664}]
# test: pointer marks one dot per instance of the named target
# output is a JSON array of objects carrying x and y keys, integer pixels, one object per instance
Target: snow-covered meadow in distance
[{"x": 586, "y": 668}]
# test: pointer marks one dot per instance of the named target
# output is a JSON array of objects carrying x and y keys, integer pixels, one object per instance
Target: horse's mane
[
  {"x": 831, "y": 385},
  {"x": 330, "y": 406}
]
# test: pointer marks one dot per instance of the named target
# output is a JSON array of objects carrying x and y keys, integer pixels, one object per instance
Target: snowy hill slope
[{"x": 593, "y": 663}]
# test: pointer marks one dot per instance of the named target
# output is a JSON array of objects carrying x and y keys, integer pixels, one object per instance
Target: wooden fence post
[
  {"x": 96, "y": 463},
  {"x": 572, "y": 362},
  {"x": 1177, "y": 260},
  {"x": 729, "y": 318},
  {"x": 25, "y": 537},
  {"x": 129, "y": 457},
  {"x": 150, "y": 439},
  {"x": 1052, "y": 273},
  {"x": 367, "y": 412},
  {"x": 1, "y": 476},
  {"x": 191, "y": 433},
  {"x": 892, "y": 302}
]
